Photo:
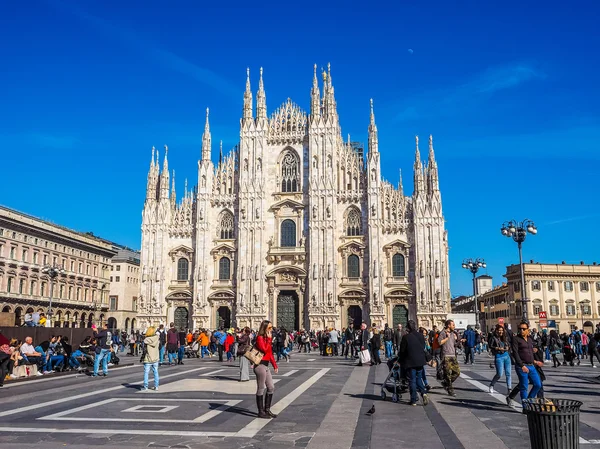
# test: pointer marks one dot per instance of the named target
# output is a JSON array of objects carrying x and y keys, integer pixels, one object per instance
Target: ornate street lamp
[
  {"x": 52, "y": 271},
  {"x": 518, "y": 232},
  {"x": 473, "y": 265}
]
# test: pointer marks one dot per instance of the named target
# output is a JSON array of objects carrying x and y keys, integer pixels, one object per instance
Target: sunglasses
[{"x": 524, "y": 328}]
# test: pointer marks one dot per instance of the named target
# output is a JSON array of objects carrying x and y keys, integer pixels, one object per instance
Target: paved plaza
[{"x": 321, "y": 402}]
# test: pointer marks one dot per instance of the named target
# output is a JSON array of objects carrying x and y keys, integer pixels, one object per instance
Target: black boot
[
  {"x": 260, "y": 404},
  {"x": 268, "y": 400}
]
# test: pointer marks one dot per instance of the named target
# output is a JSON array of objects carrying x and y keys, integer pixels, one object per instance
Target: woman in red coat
[{"x": 264, "y": 380}]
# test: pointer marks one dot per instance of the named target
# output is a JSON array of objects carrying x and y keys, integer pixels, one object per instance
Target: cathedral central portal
[{"x": 288, "y": 308}]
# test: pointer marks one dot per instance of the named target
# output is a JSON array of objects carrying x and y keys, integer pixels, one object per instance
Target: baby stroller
[
  {"x": 193, "y": 350},
  {"x": 395, "y": 383},
  {"x": 568, "y": 354}
]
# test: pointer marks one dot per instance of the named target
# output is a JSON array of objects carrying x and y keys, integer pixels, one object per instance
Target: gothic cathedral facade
[{"x": 294, "y": 225}]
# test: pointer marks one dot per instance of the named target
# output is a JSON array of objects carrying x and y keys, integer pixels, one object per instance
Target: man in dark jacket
[
  {"x": 525, "y": 362},
  {"x": 412, "y": 359},
  {"x": 103, "y": 348},
  {"x": 470, "y": 340},
  {"x": 348, "y": 349}
]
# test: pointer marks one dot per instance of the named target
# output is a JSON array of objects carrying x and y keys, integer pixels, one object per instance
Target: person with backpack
[
  {"x": 469, "y": 339},
  {"x": 576, "y": 339},
  {"x": 220, "y": 337},
  {"x": 388, "y": 341},
  {"x": 103, "y": 348},
  {"x": 554, "y": 345},
  {"x": 150, "y": 357},
  {"x": 172, "y": 344}
]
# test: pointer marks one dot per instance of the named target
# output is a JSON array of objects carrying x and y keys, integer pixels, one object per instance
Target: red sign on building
[{"x": 543, "y": 315}]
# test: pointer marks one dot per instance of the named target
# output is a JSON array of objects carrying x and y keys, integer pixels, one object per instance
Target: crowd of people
[{"x": 411, "y": 349}]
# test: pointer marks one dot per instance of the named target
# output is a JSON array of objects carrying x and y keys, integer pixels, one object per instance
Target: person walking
[
  {"x": 172, "y": 344},
  {"x": 412, "y": 358},
  {"x": 398, "y": 333},
  {"x": 388, "y": 341},
  {"x": 264, "y": 380},
  {"x": 334, "y": 339},
  {"x": 103, "y": 348},
  {"x": 448, "y": 340},
  {"x": 469, "y": 339},
  {"x": 151, "y": 357},
  {"x": 348, "y": 340},
  {"x": 522, "y": 350},
  {"x": 243, "y": 346},
  {"x": 593, "y": 341},
  {"x": 375, "y": 347},
  {"x": 500, "y": 348},
  {"x": 162, "y": 340},
  {"x": 554, "y": 344}
]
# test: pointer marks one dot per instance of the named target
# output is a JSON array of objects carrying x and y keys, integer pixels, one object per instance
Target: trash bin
[{"x": 553, "y": 423}]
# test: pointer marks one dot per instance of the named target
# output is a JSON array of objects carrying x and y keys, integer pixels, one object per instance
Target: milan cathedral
[{"x": 294, "y": 225}]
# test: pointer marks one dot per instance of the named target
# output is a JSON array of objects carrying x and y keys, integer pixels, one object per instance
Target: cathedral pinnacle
[
  {"x": 247, "y": 112},
  {"x": 220, "y": 152},
  {"x": 431, "y": 154},
  {"x": 373, "y": 140},
  {"x": 315, "y": 96},
  {"x": 206, "y": 140},
  {"x": 261, "y": 98}
]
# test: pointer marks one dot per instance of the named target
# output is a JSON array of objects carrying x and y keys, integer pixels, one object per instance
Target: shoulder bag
[{"x": 254, "y": 355}]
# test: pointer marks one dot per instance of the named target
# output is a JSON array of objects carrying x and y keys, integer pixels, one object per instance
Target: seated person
[
  {"x": 70, "y": 355},
  {"x": 29, "y": 320},
  {"x": 56, "y": 357},
  {"x": 31, "y": 356},
  {"x": 87, "y": 351}
]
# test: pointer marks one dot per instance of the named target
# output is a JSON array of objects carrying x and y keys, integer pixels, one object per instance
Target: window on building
[
  {"x": 224, "y": 269},
  {"x": 118, "y": 267},
  {"x": 113, "y": 303},
  {"x": 93, "y": 295},
  {"x": 13, "y": 250},
  {"x": 117, "y": 278},
  {"x": 568, "y": 286},
  {"x": 80, "y": 268},
  {"x": 571, "y": 309},
  {"x": 290, "y": 172},
  {"x": 1, "y": 250},
  {"x": 598, "y": 286},
  {"x": 183, "y": 269},
  {"x": 35, "y": 258},
  {"x": 45, "y": 259},
  {"x": 70, "y": 292},
  {"x": 32, "y": 288},
  {"x": 43, "y": 289},
  {"x": 1, "y": 232},
  {"x": 111, "y": 279},
  {"x": 14, "y": 235},
  {"x": 78, "y": 294},
  {"x": 226, "y": 225},
  {"x": 554, "y": 311},
  {"x": 85, "y": 295},
  {"x": 398, "y": 266},
  {"x": 536, "y": 285},
  {"x": 584, "y": 286},
  {"x": 551, "y": 286},
  {"x": 95, "y": 270},
  {"x": 61, "y": 291},
  {"x": 9, "y": 285},
  {"x": 353, "y": 266},
  {"x": 24, "y": 256},
  {"x": 586, "y": 309},
  {"x": 21, "y": 286},
  {"x": 288, "y": 233},
  {"x": 134, "y": 304},
  {"x": 353, "y": 222},
  {"x": 537, "y": 308}
]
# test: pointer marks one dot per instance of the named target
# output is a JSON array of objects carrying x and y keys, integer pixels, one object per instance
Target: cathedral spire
[
  {"x": 418, "y": 170},
  {"x": 152, "y": 180},
  {"x": 373, "y": 139},
  {"x": 173, "y": 194},
  {"x": 400, "y": 186},
  {"x": 328, "y": 93},
  {"x": 315, "y": 96},
  {"x": 261, "y": 98},
  {"x": 185, "y": 187},
  {"x": 206, "y": 140},
  {"x": 164, "y": 176},
  {"x": 247, "y": 112},
  {"x": 221, "y": 152},
  {"x": 432, "y": 170}
]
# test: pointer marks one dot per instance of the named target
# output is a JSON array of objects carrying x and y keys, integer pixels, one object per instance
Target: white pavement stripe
[
  {"x": 499, "y": 397},
  {"x": 212, "y": 372},
  {"x": 311, "y": 360},
  {"x": 50, "y": 379},
  {"x": 216, "y": 411},
  {"x": 289, "y": 373},
  {"x": 87, "y": 430},
  {"x": 88, "y": 394},
  {"x": 257, "y": 424}
]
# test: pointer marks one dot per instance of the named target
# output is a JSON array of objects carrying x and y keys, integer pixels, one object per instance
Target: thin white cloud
[
  {"x": 154, "y": 52},
  {"x": 449, "y": 100},
  {"x": 570, "y": 219}
]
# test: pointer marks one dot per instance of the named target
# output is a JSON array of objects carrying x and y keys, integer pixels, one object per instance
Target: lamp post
[
  {"x": 52, "y": 271},
  {"x": 473, "y": 265},
  {"x": 518, "y": 231}
]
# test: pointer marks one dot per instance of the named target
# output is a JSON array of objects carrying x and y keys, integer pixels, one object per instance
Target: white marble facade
[{"x": 294, "y": 225}]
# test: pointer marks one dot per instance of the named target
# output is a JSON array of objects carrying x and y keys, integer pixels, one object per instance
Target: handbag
[
  {"x": 254, "y": 355},
  {"x": 365, "y": 356}
]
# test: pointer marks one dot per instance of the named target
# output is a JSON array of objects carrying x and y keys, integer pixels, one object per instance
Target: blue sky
[{"x": 510, "y": 93}]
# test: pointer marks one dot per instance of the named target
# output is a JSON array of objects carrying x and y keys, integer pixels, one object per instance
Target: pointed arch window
[
  {"x": 353, "y": 266},
  {"x": 183, "y": 267},
  {"x": 288, "y": 233},
  {"x": 290, "y": 172},
  {"x": 226, "y": 225},
  {"x": 353, "y": 222},
  {"x": 224, "y": 269},
  {"x": 398, "y": 265}
]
